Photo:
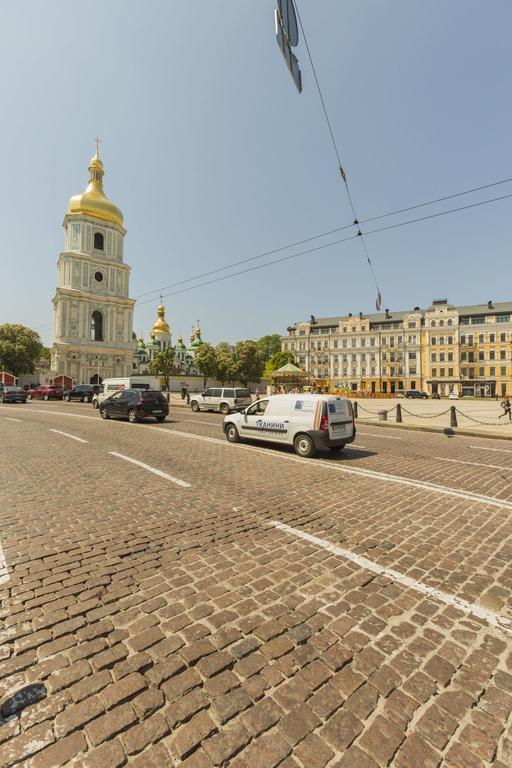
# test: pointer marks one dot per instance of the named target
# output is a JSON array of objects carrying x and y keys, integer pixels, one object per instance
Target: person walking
[{"x": 507, "y": 408}]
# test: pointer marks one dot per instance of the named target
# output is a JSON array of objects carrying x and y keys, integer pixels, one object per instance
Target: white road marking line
[
  {"x": 483, "y": 448},
  {"x": 66, "y": 434},
  {"x": 7, "y": 418},
  {"x": 321, "y": 464},
  {"x": 4, "y": 575},
  {"x": 151, "y": 469},
  {"x": 336, "y": 467},
  {"x": 194, "y": 421},
  {"x": 494, "y": 619},
  {"x": 385, "y": 437},
  {"x": 472, "y": 463}
]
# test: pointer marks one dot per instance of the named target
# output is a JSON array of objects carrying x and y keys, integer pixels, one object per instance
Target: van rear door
[{"x": 339, "y": 413}]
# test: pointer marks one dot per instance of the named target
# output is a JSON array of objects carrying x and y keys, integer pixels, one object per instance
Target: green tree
[
  {"x": 248, "y": 362},
  {"x": 225, "y": 363},
  {"x": 20, "y": 347},
  {"x": 277, "y": 361},
  {"x": 268, "y": 346},
  {"x": 205, "y": 360},
  {"x": 163, "y": 364}
]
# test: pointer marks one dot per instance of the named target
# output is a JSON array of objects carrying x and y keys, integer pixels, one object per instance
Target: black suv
[
  {"x": 82, "y": 392},
  {"x": 135, "y": 404},
  {"x": 416, "y": 393}
]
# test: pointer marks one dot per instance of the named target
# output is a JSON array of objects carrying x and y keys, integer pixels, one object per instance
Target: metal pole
[
  {"x": 398, "y": 414},
  {"x": 355, "y": 409},
  {"x": 453, "y": 416}
]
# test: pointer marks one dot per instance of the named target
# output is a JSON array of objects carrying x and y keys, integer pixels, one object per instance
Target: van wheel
[
  {"x": 45, "y": 397},
  {"x": 67, "y": 398},
  {"x": 336, "y": 448},
  {"x": 304, "y": 446},
  {"x": 132, "y": 416},
  {"x": 224, "y": 408},
  {"x": 195, "y": 406},
  {"x": 232, "y": 434},
  {"x": 95, "y": 404}
]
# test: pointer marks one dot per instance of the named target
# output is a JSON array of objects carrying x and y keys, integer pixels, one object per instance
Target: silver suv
[{"x": 221, "y": 399}]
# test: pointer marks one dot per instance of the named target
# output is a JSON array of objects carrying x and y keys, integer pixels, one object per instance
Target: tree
[
  {"x": 268, "y": 346},
  {"x": 277, "y": 361},
  {"x": 205, "y": 360},
  {"x": 248, "y": 362},
  {"x": 163, "y": 364},
  {"x": 20, "y": 347},
  {"x": 225, "y": 367}
]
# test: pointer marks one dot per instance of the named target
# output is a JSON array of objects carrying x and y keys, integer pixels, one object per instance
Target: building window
[
  {"x": 449, "y": 322},
  {"x": 462, "y": 339},
  {"x": 481, "y": 338},
  {"x": 502, "y": 318},
  {"x": 98, "y": 241},
  {"x": 434, "y": 371},
  {"x": 411, "y": 325},
  {"x": 450, "y": 356},
  {"x": 492, "y": 354},
  {"x": 433, "y": 323},
  {"x": 481, "y": 355},
  {"x": 433, "y": 357},
  {"x": 503, "y": 354},
  {"x": 492, "y": 371},
  {"x": 503, "y": 371},
  {"x": 441, "y": 357},
  {"x": 481, "y": 372},
  {"x": 441, "y": 372},
  {"x": 96, "y": 326},
  {"x": 434, "y": 340},
  {"x": 441, "y": 322},
  {"x": 450, "y": 372},
  {"x": 503, "y": 336}
]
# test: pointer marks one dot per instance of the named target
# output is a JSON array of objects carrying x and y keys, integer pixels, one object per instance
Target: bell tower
[{"x": 93, "y": 336}]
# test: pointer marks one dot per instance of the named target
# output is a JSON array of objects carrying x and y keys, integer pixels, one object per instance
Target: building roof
[{"x": 504, "y": 307}]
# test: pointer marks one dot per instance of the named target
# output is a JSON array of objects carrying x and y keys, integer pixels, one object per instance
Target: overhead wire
[
  {"x": 320, "y": 235},
  {"x": 343, "y": 175},
  {"x": 313, "y": 250}
]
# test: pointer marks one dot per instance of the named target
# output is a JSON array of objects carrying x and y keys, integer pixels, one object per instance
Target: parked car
[
  {"x": 416, "y": 393},
  {"x": 82, "y": 392},
  {"x": 400, "y": 394},
  {"x": 308, "y": 422},
  {"x": 223, "y": 399},
  {"x": 13, "y": 395},
  {"x": 135, "y": 404},
  {"x": 453, "y": 396},
  {"x": 45, "y": 392}
]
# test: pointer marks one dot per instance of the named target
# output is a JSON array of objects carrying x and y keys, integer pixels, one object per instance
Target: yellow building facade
[{"x": 436, "y": 350}]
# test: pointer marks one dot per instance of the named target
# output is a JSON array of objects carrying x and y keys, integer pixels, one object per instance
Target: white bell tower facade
[{"x": 93, "y": 337}]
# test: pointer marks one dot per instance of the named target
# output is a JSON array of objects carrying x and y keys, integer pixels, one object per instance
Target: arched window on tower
[
  {"x": 98, "y": 241},
  {"x": 96, "y": 326}
]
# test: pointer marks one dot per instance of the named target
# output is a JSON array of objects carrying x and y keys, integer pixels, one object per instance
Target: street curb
[{"x": 437, "y": 430}]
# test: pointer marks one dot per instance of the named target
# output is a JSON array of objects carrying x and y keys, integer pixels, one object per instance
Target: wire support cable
[{"x": 338, "y": 158}]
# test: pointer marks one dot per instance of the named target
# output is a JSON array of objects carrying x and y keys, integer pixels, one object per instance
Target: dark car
[
  {"x": 45, "y": 392},
  {"x": 82, "y": 392},
  {"x": 13, "y": 395},
  {"x": 416, "y": 393},
  {"x": 135, "y": 404}
]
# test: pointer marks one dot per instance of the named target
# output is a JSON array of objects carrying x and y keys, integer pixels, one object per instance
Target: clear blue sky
[{"x": 213, "y": 156}]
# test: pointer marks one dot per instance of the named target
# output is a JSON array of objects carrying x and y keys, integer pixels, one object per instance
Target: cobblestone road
[{"x": 263, "y": 611}]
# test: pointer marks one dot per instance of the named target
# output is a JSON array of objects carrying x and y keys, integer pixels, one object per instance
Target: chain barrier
[
  {"x": 432, "y": 415},
  {"x": 425, "y": 415},
  {"x": 485, "y": 423}
]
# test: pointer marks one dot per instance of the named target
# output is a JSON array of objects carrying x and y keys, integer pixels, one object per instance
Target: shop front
[{"x": 478, "y": 388}]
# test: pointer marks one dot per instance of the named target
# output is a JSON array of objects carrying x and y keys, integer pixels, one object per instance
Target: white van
[
  {"x": 109, "y": 386},
  {"x": 306, "y": 421}
]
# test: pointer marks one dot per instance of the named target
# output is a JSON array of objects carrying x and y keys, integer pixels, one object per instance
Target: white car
[
  {"x": 306, "y": 421},
  {"x": 223, "y": 399},
  {"x": 453, "y": 396}
]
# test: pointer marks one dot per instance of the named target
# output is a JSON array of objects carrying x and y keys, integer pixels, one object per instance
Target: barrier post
[
  {"x": 355, "y": 409},
  {"x": 453, "y": 416},
  {"x": 398, "y": 414}
]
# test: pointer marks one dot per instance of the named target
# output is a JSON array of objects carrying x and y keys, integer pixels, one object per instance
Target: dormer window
[{"x": 98, "y": 241}]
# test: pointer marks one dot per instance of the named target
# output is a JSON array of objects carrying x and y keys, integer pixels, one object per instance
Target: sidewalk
[{"x": 475, "y": 418}]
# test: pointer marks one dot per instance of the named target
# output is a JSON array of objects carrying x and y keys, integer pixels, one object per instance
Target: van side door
[{"x": 264, "y": 421}]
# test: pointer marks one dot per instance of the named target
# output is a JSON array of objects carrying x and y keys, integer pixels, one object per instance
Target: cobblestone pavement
[{"x": 149, "y": 623}]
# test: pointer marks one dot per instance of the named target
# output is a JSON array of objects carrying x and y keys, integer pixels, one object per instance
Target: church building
[{"x": 93, "y": 312}]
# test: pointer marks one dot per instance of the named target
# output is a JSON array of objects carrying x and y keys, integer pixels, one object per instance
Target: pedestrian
[
  {"x": 507, "y": 408},
  {"x": 183, "y": 393},
  {"x": 257, "y": 394}
]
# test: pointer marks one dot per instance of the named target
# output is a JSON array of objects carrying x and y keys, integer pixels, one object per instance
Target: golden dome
[
  {"x": 94, "y": 202},
  {"x": 160, "y": 326}
]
